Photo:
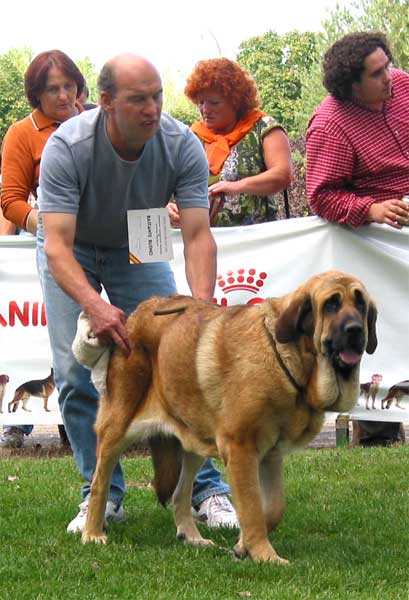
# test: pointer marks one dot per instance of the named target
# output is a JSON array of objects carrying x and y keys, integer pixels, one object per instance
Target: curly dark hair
[
  {"x": 229, "y": 79},
  {"x": 35, "y": 78},
  {"x": 344, "y": 61}
]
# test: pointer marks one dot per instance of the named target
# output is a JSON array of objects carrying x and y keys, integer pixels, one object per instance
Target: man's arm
[
  {"x": 330, "y": 166},
  {"x": 200, "y": 252},
  {"x": 107, "y": 321}
]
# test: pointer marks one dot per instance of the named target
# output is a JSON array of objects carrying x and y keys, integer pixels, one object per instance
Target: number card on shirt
[{"x": 149, "y": 235}]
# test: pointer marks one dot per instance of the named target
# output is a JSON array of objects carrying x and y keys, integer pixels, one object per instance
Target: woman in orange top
[{"x": 52, "y": 84}]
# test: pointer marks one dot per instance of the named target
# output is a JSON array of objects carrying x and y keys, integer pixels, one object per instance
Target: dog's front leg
[
  {"x": 25, "y": 400},
  {"x": 182, "y": 502},
  {"x": 243, "y": 473}
]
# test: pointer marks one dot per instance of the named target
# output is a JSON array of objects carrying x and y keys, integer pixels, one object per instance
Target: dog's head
[
  {"x": 335, "y": 311},
  {"x": 4, "y": 379}
]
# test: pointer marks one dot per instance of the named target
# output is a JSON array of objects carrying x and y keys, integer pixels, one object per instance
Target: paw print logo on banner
[{"x": 239, "y": 287}]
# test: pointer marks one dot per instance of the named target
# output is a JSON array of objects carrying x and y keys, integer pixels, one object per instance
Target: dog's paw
[
  {"x": 264, "y": 553},
  {"x": 269, "y": 556},
  {"x": 240, "y": 551},
  {"x": 194, "y": 540},
  {"x": 97, "y": 538}
]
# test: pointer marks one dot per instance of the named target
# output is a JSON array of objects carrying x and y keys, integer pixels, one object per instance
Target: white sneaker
[
  {"x": 114, "y": 512},
  {"x": 217, "y": 511}
]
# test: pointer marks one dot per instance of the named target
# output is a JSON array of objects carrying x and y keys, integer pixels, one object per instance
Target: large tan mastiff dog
[{"x": 245, "y": 383}]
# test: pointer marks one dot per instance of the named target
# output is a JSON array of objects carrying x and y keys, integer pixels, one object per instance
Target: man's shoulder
[
  {"x": 79, "y": 128},
  {"x": 169, "y": 126},
  {"x": 399, "y": 76},
  {"x": 335, "y": 118},
  {"x": 329, "y": 110}
]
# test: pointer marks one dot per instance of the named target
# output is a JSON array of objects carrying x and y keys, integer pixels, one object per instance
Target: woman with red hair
[
  {"x": 248, "y": 151},
  {"x": 52, "y": 85}
]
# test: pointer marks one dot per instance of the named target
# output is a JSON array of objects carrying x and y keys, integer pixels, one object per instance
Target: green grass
[{"x": 345, "y": 533}]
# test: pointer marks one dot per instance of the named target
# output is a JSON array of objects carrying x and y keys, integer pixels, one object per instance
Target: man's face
[
  {"x": 375, "y": 85},
  {"x": 135, "y": 110}
]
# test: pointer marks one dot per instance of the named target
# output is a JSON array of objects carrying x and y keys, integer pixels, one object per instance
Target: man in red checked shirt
[{"x": 358, "y": 138}]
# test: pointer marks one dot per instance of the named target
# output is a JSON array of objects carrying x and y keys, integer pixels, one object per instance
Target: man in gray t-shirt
[{"x": 121, "y": 156}]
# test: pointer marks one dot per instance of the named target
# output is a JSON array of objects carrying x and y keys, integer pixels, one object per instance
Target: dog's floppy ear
[
  {"x": 295, "y": 320},
  {"x": 372, "y": 339}
]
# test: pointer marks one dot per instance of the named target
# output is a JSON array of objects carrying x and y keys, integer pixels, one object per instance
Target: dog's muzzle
[{"x": 346, "y": 347}]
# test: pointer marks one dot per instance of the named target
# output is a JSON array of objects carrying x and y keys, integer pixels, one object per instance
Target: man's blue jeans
[{"x": 126, "y": 286}]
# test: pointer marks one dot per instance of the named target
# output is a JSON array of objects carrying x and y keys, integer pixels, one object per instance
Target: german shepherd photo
[{"x": 40, "y": 388}]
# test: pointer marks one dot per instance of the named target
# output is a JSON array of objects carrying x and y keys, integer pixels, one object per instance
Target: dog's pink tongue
[{"x": 349, "y": 357}]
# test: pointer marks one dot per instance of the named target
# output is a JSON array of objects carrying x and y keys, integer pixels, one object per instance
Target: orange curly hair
[{"x": 228, "y": 79}]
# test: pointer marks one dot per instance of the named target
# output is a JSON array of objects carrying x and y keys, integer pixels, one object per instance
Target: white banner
[{"x": 254, "y": 262}]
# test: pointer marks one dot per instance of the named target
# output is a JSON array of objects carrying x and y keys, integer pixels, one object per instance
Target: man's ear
[{"x": 105, "y": 100}]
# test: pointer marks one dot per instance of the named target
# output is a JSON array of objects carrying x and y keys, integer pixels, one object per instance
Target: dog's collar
[{"x": 300, "y": 389}]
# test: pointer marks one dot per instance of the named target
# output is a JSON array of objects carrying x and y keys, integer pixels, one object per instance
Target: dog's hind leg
[
  {"x": 46, "y": 404},
  {"x": 115, "y": 414},
  {"x": 109, "y": 449},
  {"x": 13, "y": 404},
  {"x": 272, "y": 488},
  {"x": 243, "y": 474},
  {"x": 182, "y": 502}
]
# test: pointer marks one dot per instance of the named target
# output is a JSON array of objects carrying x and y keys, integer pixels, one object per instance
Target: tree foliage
[
  {"x": 175, "y": 102},
  {"x": 278, "y": 64},
  {"x": 13, "y": 102},
  {"x": 87, "y": 68}
]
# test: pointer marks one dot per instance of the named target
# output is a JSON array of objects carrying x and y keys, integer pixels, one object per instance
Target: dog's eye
[
  {"x": 333, "y": 304},
  {"x": 360, "y": 302}
]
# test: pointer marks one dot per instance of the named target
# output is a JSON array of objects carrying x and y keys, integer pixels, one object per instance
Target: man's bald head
[{"x": 123, "y": 67}]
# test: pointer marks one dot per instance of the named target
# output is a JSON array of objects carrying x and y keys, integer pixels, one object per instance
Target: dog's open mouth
[
  {"x": 348, "y": 358},
  {"x": 344, "y": 359}
]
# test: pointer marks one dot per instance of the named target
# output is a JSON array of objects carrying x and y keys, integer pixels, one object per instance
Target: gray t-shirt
[{"x": 82, "y": 174}]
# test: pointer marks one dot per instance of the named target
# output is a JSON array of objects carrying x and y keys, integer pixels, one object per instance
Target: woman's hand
[
  {"x": 31, "y": 221},
  {"x": 228, "y": 188}
]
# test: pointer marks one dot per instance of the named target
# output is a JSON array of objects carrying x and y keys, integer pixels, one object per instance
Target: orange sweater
[{"x": 22, "y": 148}]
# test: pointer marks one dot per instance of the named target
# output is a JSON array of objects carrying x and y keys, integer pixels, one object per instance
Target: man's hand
[
  {"x": 173, "y": 214},
  {"x": 392, "y": 212},
  {"x": 108, "y": 324}
]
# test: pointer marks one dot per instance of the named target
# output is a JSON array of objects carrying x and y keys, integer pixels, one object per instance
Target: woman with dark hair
[
  {"x": 248, "y": 151},
  {"x": 52, "y": 85}
]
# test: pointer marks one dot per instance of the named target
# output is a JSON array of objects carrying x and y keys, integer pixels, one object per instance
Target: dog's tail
[{"x": 166, "y": 454}]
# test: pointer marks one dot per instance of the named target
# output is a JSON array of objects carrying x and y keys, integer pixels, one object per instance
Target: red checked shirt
[{"x": 357, "y": 156}]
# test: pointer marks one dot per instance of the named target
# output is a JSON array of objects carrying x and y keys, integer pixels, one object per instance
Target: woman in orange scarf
[{"x": 248, "y": 151}]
